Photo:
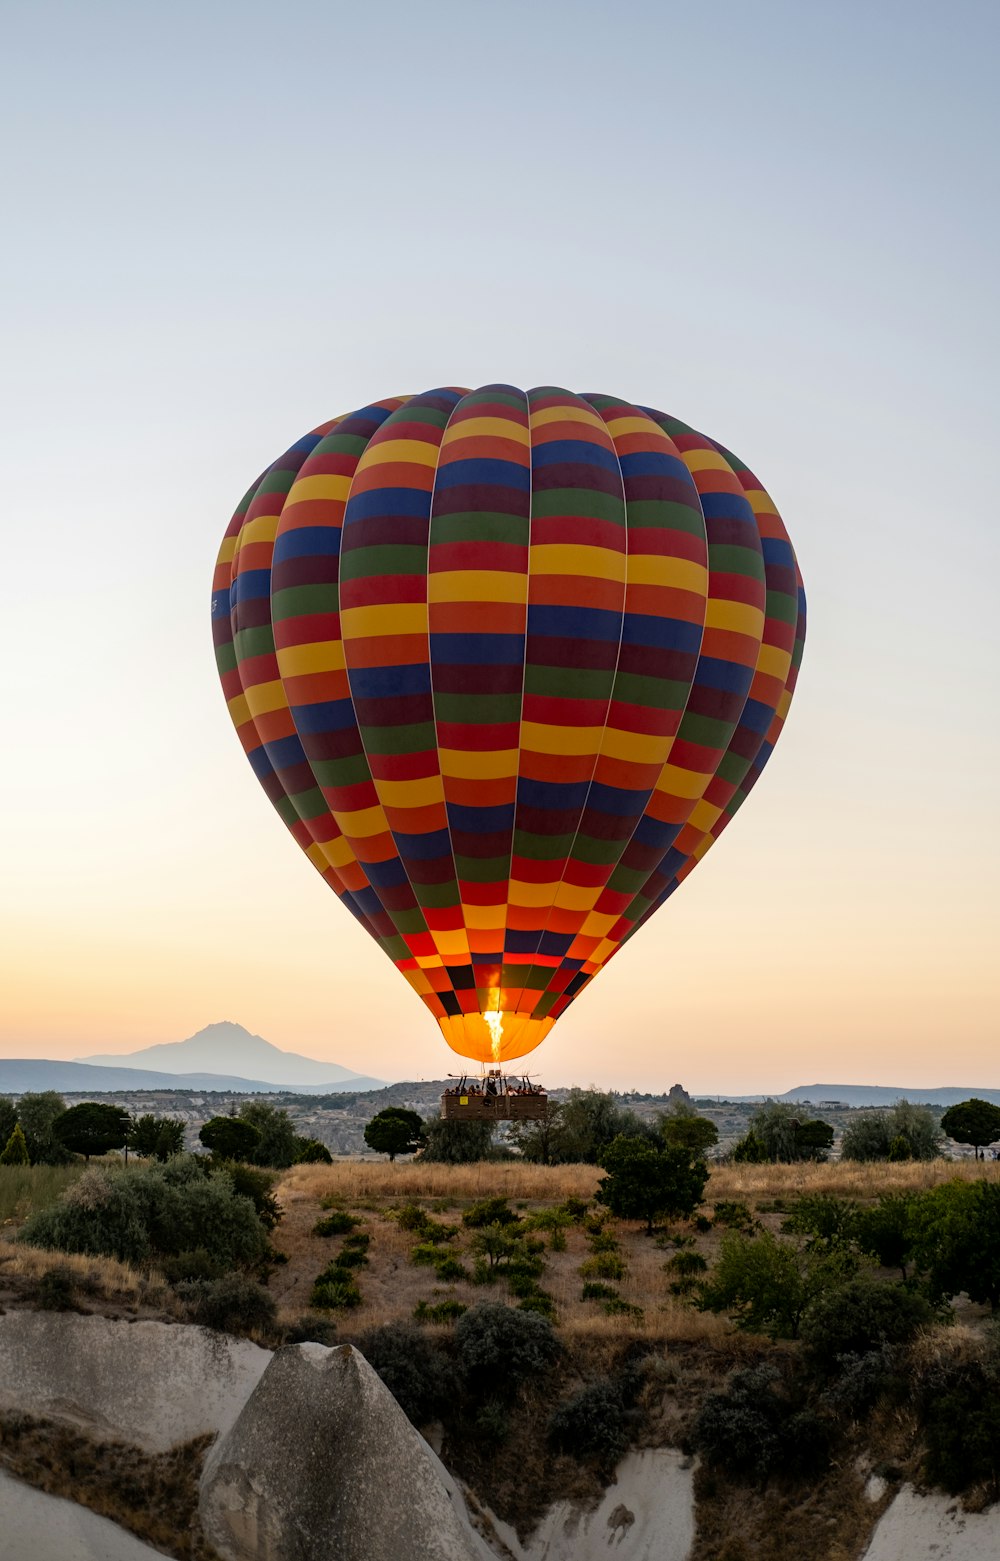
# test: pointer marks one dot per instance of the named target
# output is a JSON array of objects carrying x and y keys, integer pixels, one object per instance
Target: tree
[
  {"x": 37, "y": 1114},
  {"x": 92, "y": 1128},
  {"x": 539, "y": 1141},
  {"x": 766, "y": 1285},
  {"x": 683, "y": 1128},
  {"x": 975, "y": 1122},
  {"x": 860, "y": 1317},
  {"x": 310, "y": 1151},
  {"x": 457, "y": 1143},
  {"x": 8, "y": 1118},
  {"x": 956, "y": 1240},
  {"x": 873, "y": 1134},
  {"x": 778, "y": 1133},
  {"x": 230, "y": 1138},
  {"x": 276, "y": 1148},
  {"x": 749, "y": 1150},
  {"x": 395, "y": 1131},
  {"x": 885, "y": 1230},
  {"x": 644, "y": 1182},
  {"x": 589, "y": 1120},
  {"x": 156, "y": 1137},
  {"x": 16, "y": 1150},
  {"x": 813, "y": 1139}
]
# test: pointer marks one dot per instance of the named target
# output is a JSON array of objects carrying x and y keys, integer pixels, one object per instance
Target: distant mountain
[
  {"x": 18, "y": 1074},
  {"x": 230, "y": 1049},
  {"x": 885, "y": 1094}
]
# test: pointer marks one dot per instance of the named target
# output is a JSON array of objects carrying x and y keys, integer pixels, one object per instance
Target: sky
[{"x": 227, "y": 223}]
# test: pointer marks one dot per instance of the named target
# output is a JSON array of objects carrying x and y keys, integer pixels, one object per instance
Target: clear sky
[{"x": 226, "y": 223}]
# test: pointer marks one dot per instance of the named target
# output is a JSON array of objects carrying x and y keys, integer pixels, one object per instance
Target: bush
[
  {"x": 885, "y": 1230},
  {"x": 858, "y": 1317},
  {"x": 616, "y": 1307},
  {"x": 825, "y": 1220},
  {"x": 337, "y": 1223},
  {"x": 956, "y": 1240},
  {"x": 196, "y": 1264},
  {"x": 957, "y": 1401},
  {"x": 593, "y": 1290},
  {"x": 592, "y": 1425},
  {"x": 335, "y": 1291},
  {"x": 540, "y": 1302},
  {"x": 733, "y": 1215},
  {"x": 755, "y": 1429},
  {"x": 311, "y": 1151},
  {"x": 15, "y": 1151},
  {"x": 603, "y": 1265},
  {"x": 232, "y": 1304},
  {"x": 411, "y": 1367},
  {"x": 497, "y": 1343},
  {"x": 685, "y": 1264},
  {"x": 490, "y": 1211},
  {"x": 248, "y": 1182},
  {"x": 311, "y": 1329},
  {"x": 872, "y": 1135},
  {"x": 139, "y": 1214},
  {"x": 766, "y": 1285},
  {"x": 447, "y": 1311},
  {"x": 458, "y": 1143}
]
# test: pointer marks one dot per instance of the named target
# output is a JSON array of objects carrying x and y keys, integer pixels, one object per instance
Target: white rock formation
[
  {"x": 148, "y": 1383},
  {"x": 323, "y": 1465},
  {"x": 934, "y": 1528},
  {"x": 36, "y": 1527}
]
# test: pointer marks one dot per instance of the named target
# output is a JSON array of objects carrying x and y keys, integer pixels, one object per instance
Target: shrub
[
  {"x": 593, "y": 1290},
  {"x": 766, "y": 1285},
  {"x": 457, "y": 1143},
  {"x": 616, "y": 1307},
  {"x": 754, "y": 1428},
  {"x": 447, "y": 1311},
  {"x": 824, "y": 1220},
  {"x": 311, "y": 1151},
  {"x": 335, "y": 1291},
  {"x": 592, "y": 1425},
  {"x": 196, "y": 1264},
  {"x": 141, "y": 1213},
  {"x": 872, "y": 1134},
  {"x": 603, "y": 1265},
  {"x": 885, "y": 1230},
  {"x": 411, "y": 1367},
  {"x": 957, "y": 1402},
  {"x": 490, "y": 1211},
  {"x": 540, "y": 1302},
  {"x": 574, "y": 1208},
  {"x": 685, "y": 1264},
  {"x": 232, "y": 1304},
  {"x": 733, "y": 1215},
  {"x": 496, "y": 1342},
  {"x": 156, "y": 1137},
  {"x": 858, "y": 1317},
  {"x": 15, "y": 1151},
  {"x": 956, "y": 1240},
  {"x": 311, "y": 1329},
  {"x": 491, "y": 1425},
  {"x": 278, "y": 1141},
  {"x": 336, "y": 1223},
  {"x": 861, "y": 1380},
  {"x": 257, "y": 1185}
]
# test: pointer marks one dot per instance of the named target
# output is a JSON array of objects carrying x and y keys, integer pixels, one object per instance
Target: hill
[
  {"x": 886, "y": 1094},
  {"x": 227, "y": 1048},
  {"x": 18, "y": 1074}
]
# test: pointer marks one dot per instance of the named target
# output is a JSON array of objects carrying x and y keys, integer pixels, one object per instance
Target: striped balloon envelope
[{"x": 506, "y": 663}]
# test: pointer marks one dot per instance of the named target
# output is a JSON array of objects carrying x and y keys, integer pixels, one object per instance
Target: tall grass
[
  {"x": 24, "y": 1189},
  {"x": 841, "y": 1178},
  {"x": 358, "y": 1180}
]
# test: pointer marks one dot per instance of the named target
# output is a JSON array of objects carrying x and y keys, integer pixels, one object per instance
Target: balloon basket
[{"x": 494, "y": 1098}]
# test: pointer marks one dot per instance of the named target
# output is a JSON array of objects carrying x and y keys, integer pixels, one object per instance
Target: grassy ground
[{"x": 26, "y": 1188}]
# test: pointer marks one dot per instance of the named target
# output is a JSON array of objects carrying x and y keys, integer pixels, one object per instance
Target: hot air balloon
[{"x": 506, "y": 663}]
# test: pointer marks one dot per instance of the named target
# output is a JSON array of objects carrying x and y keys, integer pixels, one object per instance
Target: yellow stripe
[
  {"x": 227, "y": 550},
  {"x": 483, "y": 917},
  {"x": 419, "y": 793},
  {"x": 326, "y": 486},
  {"x": 597, "y": 924},
  {"x": 339, "y": 852},
  {"x": 536, "y": 738},
  {"x": 530, "y": 894},
  {"x": 565, "y": 558},
  {"x": 262, "y": 529},
  {"x": 675, "y": 782},
  {"x": 604, "y": 948},
  {"x": 477, "y": 585},
  {"x": 704, "y": 815},
  {"x": 429, "y": 962},
  {"x": 705, "y": 461},
  {"x": 680, "y": 574},
  {"x": 635, "y": 747},
  {"x": 450, "y": 944},
  {"x": 321, "y": 656},
  {"x": 464, "y": 764},
  {"x": 409, "y": 452},
  {"x": 487, "y": 428},
  {"x": 760, "y": 502},
  {"x": 238, "y": 712},
  {"x": 371, "y": 622},
  {"x": 363, "y": 823},
  {"x": 635, "y": 425},
  {"x": 262, "y": 698},
  {"x": 567, "y": 414},
  {"x": 317, "y": 856},
  {"x": 572, "y": 898},
  {"x": 739, "y": 617},
  {"x": 773, "y": 661},
  {"x": 783, "y": 704},
  {"x": 418, "y": 981}
]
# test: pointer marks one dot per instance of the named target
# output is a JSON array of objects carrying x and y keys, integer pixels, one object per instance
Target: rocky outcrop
[
  {"x": 46, "y": 1528},
  {"x": 323, "y": 1465},
  {"x": 148, "y": 1383}
]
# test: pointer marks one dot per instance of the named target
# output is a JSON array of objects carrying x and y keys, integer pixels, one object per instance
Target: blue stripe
[
  {"x": 477, "y": 650},
  {"x": 498, "y": 474},
  {"x": 552, "y": 794},
  {"x": 386, "y": 501},
  {"x": 732, "y": 506},
  {"x": 388, "y": 682},
  {"x": 574, "y": 623},
  {"x": 424, "y": 848},
  {"x": 252, "y": 585},
  {"x": 727, "y": 676},
  {"x": 654, "y": 463},
  {"x": 757, "y": 716},
  {"x": 778, "y": 552},
  {"x": 574, "y": 452},
  {"x": 334, "y": 715},
  {"x": 285, "y": 752},
  {"x": 485, "y": 821},
  {"x": 662, "y": 633},
  {"x": 616, "y": 801},
  {"x": 307, "y": 542}
]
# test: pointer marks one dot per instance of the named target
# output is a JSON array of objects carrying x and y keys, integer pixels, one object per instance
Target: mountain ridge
[{"x": 229, "y": 1049}]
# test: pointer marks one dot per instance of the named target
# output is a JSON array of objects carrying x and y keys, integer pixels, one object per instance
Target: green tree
[
  {"x": 457, "y": 1143},
  {"x": 395, "y": 1131},
  {"x": 975, "y": 1122},
  {"x": 276, "y": 1148},
  {"x": 956, "y": 1240},
  {"x": 766, "y": 1285},
  {"x": 813, "y": 1139},
  {"x": 540, "y": 1142},
  {"x": 311, "y": 1151},
  {"x": 859, "y": 1317},
  {"x": 156, "y": 1137},
  {"x": 647, "y": 1183},
  {"x": 683, "y": 1128},
  {"x": 778, "y": 1133},
  {"x": 8, "y": 1118},
  {"x": 230, "y": 1138},
  {"x": 885, "y": 1230},
  {"x": 92, "y": 1128},
  {"x": 16, "y": 1150},
  {"x": 749, "y": 1150},
  {"x": 37, "y": 1114},
  {"x": 872, "y": 1134},
  {"x": 589, "y": 1121}
]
